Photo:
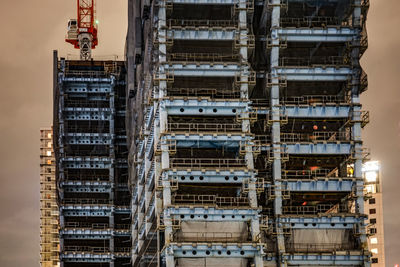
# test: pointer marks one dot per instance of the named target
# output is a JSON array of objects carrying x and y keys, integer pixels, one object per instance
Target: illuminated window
[
  {"x": 49, "y": 135},
  {"x": 374, "y": 240},
  {"x": 374, "y": 250},
  {"x": 370, "y": 188},
  {"x": 48, "y": 153},
  {"x": 371, "y": 176}
]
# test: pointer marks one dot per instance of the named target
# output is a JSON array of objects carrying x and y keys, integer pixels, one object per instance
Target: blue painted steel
[
  {"x": 317, "y": 111},
  {"x": 331, "y": 221},
  {"x": 209, "y": 176},
  {"x": 329, "y": 34},
  {"x": 86, "y": 187},
  {"x": 321, "y": 185},
  {"x": 86, "y": 210},
  {"x": 86, "y": 257},
  {"x": 203, "y": 34},
  {"x": 319, "y": 148},
  {"x": 88, "y": 139},
  {"x": 314, "y": 74},
  {"x": 204, "y": 107},
  {"x": 314, "y": 259},
  {"x": 211, "y": 214},
  {"x": 190, "y": 250}
]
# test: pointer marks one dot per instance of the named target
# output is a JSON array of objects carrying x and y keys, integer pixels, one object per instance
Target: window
[
  {"x": 372, "y": 231},
  {"x": 372, "y": 221},
  {"x": 374, "y": 250},
  {"x": 371, "y": 201},
  {"x": 372, "y": 211},
  {"x": 374, "y": 260},
  {"x": 374, "y": 240}
]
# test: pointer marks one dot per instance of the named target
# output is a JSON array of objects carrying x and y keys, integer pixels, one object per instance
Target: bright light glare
[
  {"x": 371, "y": 166},
  {"x": 371, "y": 176}
]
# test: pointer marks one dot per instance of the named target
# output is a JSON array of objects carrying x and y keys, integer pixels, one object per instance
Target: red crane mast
[{"x": 82, "y": 32}]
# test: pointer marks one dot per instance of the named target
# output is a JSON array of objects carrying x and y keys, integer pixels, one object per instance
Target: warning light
[
  {"x": 396, "y": 265},
  {"x": 304, "y": 203},
  {"x": 315, "y": 127}
]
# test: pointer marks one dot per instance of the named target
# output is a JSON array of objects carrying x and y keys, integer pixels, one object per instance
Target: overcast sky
[{"x": 30, "y": 30}]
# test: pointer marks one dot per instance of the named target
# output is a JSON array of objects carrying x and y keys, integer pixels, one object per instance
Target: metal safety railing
[
  {"x": 214, "y": 200},
  {"x": 94, "y": 250},
  {"x": 314, "y": 61},
  {"x": 207, "y": 163},
  {"x": 87, "y": 201},
  {"x": 307, "y": 174},
  {"x": 86, "y": 225},
  {"x": 313, "y": 21},
  {"x": 315, "y": 99},
  {"x": 315, "y": 137},
  {"x": 210, "y": 237},
  {"x": 203, "y": 57},
  {"x": 205, "y": 127},
  {"x": 314, "y": 210},
  {"x": 318, "y": 247},
  {"x": 203, "y": 23},
  {"x": 205, "y": 92}
]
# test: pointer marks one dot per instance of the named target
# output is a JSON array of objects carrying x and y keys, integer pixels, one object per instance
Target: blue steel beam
[
  {"x": 203, "y": 34},
  {"x": 315, "y": 259},
  {"x": 319, "y": 148},
  {"x": 78, "y": 88},
  {"x": 85, "y": 234},
  {"x": 320, "y": 185},
  {"x": 204, "y": 107},
  {"x": 329, "y": 34},
  {"x": 331, "y": 221},
  {"x": 314, "y": 74},
  {"x": 317, "y": 111},
  {"x": 86, "y": 162},
  {"x": 216, "y": 250},
  {"x": 211, "y": 214},
  {"x": 86, "y": 187},
  {"x": 209, "y": 176},
  {"x": 88, "y": 139},
  {"x": 87, "y": 114},
  {"x": 86, "y": 257},
  {"x": 86, "y": 210}
]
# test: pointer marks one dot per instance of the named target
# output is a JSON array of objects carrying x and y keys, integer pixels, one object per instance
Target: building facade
[
  {"x": 49, "y": 215},
  {"x": 374, "y": 210},
  {"x": 91, "y": 162},
  {"x": 244, "y": 118}
]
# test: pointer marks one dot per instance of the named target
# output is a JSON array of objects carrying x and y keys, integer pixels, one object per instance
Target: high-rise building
[
  {"x": 49, "y": 216},
  {"x": 244, "y": 116},
  {"x": 374, "y": 210},
  {"x": 91, "y": 162}
]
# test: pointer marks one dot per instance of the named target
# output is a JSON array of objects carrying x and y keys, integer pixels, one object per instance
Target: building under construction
[
  {"x": 49, "y": 214},
  {"x": 91, "y": 162},
  {"x": 243, "y": 117}
]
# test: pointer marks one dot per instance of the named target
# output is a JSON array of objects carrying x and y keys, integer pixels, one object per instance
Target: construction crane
[{"x": 82, "y": 32}]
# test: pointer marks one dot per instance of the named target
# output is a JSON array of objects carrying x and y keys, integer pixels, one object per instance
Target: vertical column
[
  {"x": 162, "y": 38},
  {"x": 356, "y": 117},
  {"x": 275, "y": 129},
  {"x": 112, "y": 159}
]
